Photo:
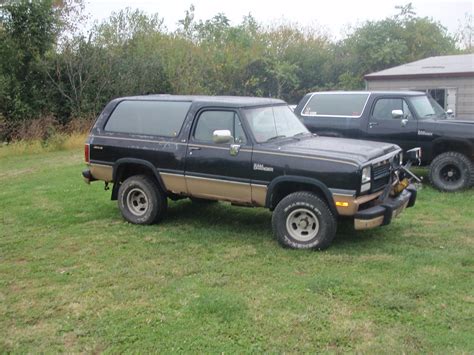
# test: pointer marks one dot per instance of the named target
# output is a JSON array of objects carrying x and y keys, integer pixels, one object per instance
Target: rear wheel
[
  {"x": 451, "y": 171},
  {"x": 303, "y": 221},
  {"x": 141, "y": 201}
]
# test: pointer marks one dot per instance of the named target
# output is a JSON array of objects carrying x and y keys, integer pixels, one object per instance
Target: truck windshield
[
  {"x": 273, "y": 122},
  {"x": 426, "y": 107}
]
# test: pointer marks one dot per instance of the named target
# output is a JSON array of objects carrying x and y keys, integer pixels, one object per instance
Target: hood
[
  {"x": 458, "y": 121},
  {"x": 351, "y": 150},
  {"x": 449, "y": 128}
]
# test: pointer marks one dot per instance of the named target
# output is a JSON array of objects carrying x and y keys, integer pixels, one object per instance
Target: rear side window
[
  {"x": 156, "y": 118},
  {"x": 336, "y": 105}
]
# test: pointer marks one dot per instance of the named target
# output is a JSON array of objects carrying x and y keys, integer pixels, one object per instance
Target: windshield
[
  {"x": 427, "y": 107},
  {"x": 267, "y": 123}
]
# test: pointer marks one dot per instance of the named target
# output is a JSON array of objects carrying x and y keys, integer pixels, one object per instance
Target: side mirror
[
  {"x": 414, "y": 155},
  {"x": 450, "y": 112},
  {"x": 222, "y": 136},
  {"x": 397, "y": 114}
]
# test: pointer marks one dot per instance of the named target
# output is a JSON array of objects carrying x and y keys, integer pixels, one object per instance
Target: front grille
[{"x": 380, "y": 175}]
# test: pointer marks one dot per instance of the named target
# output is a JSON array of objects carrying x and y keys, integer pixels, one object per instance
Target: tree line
[{"x": 49, "y": 66}]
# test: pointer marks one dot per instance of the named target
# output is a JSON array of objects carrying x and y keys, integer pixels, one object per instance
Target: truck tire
[
  {"x": 302, "y": 220},
  {"x": 451, "y": 171},
  {"x": 141, "y": 201}
]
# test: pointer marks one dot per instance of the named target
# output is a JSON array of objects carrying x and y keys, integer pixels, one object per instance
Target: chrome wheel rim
[
  {"x": 302, "y": 225},
  {"x": 137, "y": 202}
]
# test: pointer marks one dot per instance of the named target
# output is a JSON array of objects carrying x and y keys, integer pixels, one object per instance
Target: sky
[{"x": 333, "y": 15}]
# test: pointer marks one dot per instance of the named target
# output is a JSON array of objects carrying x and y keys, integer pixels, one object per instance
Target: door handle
[
  {"x": 373, "y": 124},
  {"x": 192, "y": 149}
]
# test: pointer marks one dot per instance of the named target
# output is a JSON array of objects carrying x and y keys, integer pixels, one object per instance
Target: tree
[
  {"x": 28, "y": 32},
  {"x": 465, "y": 33},
  {"x": 378, "y": 45}
]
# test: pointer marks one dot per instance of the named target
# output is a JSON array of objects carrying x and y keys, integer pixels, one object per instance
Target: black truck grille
[{"x": 380, "y": 175}]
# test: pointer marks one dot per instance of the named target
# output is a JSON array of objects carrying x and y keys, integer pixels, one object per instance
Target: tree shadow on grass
[
  {"x": 220, "y": 217},
  {"x": 254, "y": 222}
]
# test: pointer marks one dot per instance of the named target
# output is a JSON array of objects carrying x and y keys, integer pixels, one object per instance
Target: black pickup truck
[
  {"x": 408, "y": 119},
  {"x": 247, "y": 151}
]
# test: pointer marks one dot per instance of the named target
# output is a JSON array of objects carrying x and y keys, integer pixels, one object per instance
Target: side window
[
  {"x": 156, "y": 118},
  {"x": 336, "y": 104},
  {"x": 384, "y": 107},
  {"x": 406, "y": 111},
  {"x": 210, "y": 121}
]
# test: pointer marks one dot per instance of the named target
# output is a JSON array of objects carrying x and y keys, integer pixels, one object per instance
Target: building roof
[
  {"x": 443, "y": 66},
  {"x": 234, "y": 101}
]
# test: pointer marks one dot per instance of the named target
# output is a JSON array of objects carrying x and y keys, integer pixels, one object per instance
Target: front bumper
[{"x": 383, "y": 213}]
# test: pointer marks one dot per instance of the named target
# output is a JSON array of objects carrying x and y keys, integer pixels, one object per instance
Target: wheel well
[
  {"x": 453, "y": 146},
  {"x": 125, "y": 170},
  {"x": 283, "y": 189}
]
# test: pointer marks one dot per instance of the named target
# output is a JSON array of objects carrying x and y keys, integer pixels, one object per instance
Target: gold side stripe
[
  {"x": 140, "y": 140},
  {"x": 214, "y": 147},
  {"x": 218, "y": 180},
  {"x": 242, "y": 150},
  {"x": 306, "y": 156}
]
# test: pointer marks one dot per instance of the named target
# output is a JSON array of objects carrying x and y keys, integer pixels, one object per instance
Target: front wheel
[
  {"x": 141, "y": 201},
  {"x": 303, "y": 221},
  {"x": 451, "y": 171}
]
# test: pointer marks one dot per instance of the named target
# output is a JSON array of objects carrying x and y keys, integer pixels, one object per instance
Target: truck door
[
  {"x": 391, "y": 120},
  {"x": 218, "y": 170}
]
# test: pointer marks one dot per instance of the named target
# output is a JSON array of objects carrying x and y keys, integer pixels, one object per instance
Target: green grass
[{"x": 75, "y": 277}]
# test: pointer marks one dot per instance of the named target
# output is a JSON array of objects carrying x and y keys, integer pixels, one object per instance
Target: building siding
[{"x": 464, "y": 86}]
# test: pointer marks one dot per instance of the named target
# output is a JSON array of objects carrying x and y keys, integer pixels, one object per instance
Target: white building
[{"x": 449, "y": 79}]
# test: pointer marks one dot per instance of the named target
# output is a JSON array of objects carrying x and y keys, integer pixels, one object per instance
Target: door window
[
  {"x": 384, "y": 107},
  {"x": 210, "y": 121}
]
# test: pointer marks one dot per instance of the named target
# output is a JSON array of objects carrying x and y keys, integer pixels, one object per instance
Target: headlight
[
  {"x": 366, "y": 172},
  {"x": 366, "y": 177}
]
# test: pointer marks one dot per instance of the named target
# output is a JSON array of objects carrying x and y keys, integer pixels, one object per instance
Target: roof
[
  {"x": 404, "y": 93},
  {"x": 234, "y": 101},
  {"x": 443, "y": 66}
]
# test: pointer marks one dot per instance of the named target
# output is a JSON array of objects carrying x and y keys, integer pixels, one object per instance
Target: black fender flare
[
  {"x": 144, "y": 163},
  {"x": 299, "y": 179},
  {"x": 462, "y": 142}
]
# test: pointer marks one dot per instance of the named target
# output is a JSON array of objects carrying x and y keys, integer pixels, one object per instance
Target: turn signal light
[{"x": 342, "y": 204}]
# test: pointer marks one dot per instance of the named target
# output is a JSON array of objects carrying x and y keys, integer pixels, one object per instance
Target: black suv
[
  {"x": 247, "y": 151},
  {"x": 406, "y": 118}
]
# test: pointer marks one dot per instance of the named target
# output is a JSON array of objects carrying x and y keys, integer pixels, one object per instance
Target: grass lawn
[{"x": 75, "y": 277}]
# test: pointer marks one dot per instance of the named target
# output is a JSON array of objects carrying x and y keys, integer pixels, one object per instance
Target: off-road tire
[
  {"x": 451, "y": 163},
  {"x": 287, "y": 211},
  {"x": 151, "y": 205}
]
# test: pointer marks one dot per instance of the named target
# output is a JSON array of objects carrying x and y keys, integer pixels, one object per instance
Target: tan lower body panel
[
  {"x": 259, "y": 195},
  {"x": 219, "y": 189},
  {"x": 101, "y": 172},
  {"x": 175, "y": 183},
  {"x": 215, "y": 189}
]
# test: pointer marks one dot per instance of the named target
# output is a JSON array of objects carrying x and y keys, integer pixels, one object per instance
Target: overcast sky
[{"x": 334, "y": 15}]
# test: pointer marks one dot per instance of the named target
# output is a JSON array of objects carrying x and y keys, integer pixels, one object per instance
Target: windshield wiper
[{"x": 275, "y": 137}]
